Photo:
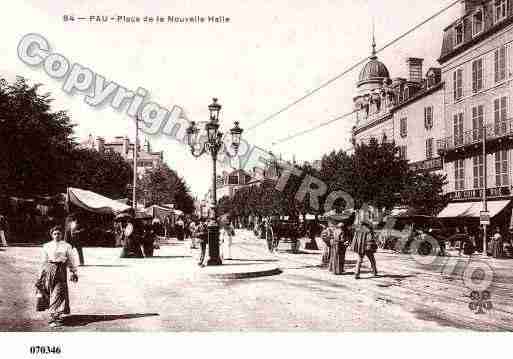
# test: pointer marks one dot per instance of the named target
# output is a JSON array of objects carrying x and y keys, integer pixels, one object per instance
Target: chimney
[
  {"x": 100, "y": 144},
  {"x": 414, "y": 69},
  {"x": 469, "y": 5}
]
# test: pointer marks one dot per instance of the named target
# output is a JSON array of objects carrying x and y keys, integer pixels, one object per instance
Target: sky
[{"x": 269, "y": 54}]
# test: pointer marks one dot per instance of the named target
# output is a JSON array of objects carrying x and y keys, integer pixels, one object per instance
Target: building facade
[
  {"x": 146, "y": 158},
  {"x": 477, "y": 65},
  {"x": 229, "y": 182},
  {"x": 406, "y": 111}
]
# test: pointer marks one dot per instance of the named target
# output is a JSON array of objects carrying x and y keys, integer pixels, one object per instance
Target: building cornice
[
  {"x": 476, "y": 39},
  {"x": 419, "y": 95},
  {"x": 376, "y": 122}
]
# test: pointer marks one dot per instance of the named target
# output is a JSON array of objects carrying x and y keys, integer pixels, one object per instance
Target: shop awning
[{"x": 472, "y": 209}]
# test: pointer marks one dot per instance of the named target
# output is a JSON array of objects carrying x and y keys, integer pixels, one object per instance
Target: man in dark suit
[
  {"x": 75, "y": 235},
  {"x": 202, "y": 235}
]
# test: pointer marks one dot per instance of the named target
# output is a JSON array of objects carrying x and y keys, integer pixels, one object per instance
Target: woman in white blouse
[{"x": 58, "y": 255}]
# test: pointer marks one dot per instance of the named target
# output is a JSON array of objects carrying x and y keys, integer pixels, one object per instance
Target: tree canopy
[{"x": 162, "y": 185}]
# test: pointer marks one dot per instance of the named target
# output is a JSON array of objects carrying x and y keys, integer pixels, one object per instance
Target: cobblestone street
[{"x": 168, "y": 292}]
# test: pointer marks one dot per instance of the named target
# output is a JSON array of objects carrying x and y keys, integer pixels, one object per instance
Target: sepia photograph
[{"x": 192, "y": 171}]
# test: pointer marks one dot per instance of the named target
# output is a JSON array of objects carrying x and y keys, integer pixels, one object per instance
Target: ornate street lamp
[{"x": 213, "y": 144}]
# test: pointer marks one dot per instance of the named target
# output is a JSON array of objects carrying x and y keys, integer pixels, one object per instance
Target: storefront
[{"x": 460, "y": 214}]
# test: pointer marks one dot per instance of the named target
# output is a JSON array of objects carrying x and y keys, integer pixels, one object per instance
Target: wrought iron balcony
[{"x": 475, "y": 136}]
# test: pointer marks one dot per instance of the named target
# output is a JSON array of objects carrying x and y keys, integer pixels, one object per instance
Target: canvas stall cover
[{"x": 94, "y": 202}]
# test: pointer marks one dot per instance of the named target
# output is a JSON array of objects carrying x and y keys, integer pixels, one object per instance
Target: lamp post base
[{"x": 214, "y": 259}]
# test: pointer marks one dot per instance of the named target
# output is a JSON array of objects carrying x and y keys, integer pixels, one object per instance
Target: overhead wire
[{"x": 351, "y": 68}]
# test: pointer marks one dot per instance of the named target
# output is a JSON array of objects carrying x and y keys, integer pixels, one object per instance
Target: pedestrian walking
[
  {"x": 167, "y": 226},
  {"x": 118, "y": 234},
  {"x": 326, "y": 236},
  {"x": 202, "y": 234},
  {"x": 53, "y": 281},
  {"x": 339, "y": 241},
  {"x": 497, "y": 244},
  {"x": 132, "y": 234},
  {"x": 75, "y": 234},
  {"x": 192, "y": 229},
  {"x": 312, "y": 230},
  {"x": 228, "y": 233},
  {"x": 180, "y": 229},
  {"x": 364, "y": 244},
  {"x": 3, "y": 232}
]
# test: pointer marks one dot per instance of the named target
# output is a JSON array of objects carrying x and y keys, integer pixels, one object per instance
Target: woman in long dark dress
[
  {"x": 132, "y": 236},
  {"x": 364, "y": 244},
  {"x": 497, "y": 244},
  {"x": 338, "y": 252},
  {"x": 53, "y": 282}
]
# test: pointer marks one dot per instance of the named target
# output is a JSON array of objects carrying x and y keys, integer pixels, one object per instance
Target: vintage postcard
[{"x": 194, "y": 167}]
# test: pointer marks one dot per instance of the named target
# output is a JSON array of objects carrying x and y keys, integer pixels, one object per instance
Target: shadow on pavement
[
  {"x": 296, "y": 252},
  {"x": 252, "y": 260},
  {"x": 396, "y": 276},
  {"x": 103, "y": 265},
  {"x": 81, "y": 320},
  {"x": 227, "y": 263},
  {"x": 392, "y": 276}
]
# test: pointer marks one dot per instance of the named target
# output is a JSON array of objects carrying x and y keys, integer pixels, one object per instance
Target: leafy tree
[
  {"x": 107, "y": 173},
  {"x": 163, "y": 185},
  {"x": 34, "y": 141},
  {"x": 424, "y": 192},
  {"x": 379, "y": 174}
]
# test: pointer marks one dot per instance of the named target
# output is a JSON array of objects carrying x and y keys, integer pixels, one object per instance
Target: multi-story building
[
  {"x": 229, "y": 182},
  {"x": 146, "y": 158},
  {"x": 406, "y": 111},
  {"x": 477, "y": 66}
]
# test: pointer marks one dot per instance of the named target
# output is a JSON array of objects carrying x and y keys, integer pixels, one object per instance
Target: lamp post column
[{"x": 213, "y": 228}]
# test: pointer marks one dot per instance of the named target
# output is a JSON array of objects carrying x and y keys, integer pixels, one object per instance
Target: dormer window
[
  {"x": 499, "y": 10},
  {"x": 406, "y": 93},
  {"x": 477, "y": 22},
  {"x": 458, "y": 34}
]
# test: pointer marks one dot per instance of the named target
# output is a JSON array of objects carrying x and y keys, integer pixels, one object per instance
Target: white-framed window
[
  {"x": 501, "y": 168},
  {"x": 457, "y": 77},
  {"x": 428, "y": 117},
  {"x": 458, "y": 128},
  {"x": 477, "y": 122},
  {"x": 477, "y": 75},
  {"x": 403, "y": 127},
  {"x": 500, "y": 10},
  {"x": 478, "y": 167},
  {"x": 500, "y": 115},
  {"x": 500, "y": 63},
  {"x": 458, "y": 34},
  {"x": 429, "y": 148},
  {"x": 402, "y": 152},
  {"x": 477, "y": 22},
  {"x": 459, "y": 175}
]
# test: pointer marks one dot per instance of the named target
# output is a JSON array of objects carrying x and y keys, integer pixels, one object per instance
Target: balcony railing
[{"x": 475, "y": 136}]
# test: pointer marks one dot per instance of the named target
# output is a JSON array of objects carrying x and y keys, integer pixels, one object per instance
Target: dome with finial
[{"x": 374, "y": 70}]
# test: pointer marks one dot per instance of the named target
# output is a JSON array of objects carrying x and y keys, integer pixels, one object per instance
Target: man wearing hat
[{"x": 364, "y": 244}]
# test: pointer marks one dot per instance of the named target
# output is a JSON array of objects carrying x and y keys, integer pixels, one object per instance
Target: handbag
[{"x": 42, "y": 301}]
